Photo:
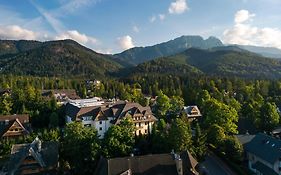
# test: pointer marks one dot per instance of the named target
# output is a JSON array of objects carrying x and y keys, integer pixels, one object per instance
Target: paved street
[{"x": 214, "y": 166}]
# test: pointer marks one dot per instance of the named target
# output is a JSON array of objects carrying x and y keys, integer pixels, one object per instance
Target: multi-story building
[
  {"x": 263, "y": 153},
  {"x": 103, "y": 116}
]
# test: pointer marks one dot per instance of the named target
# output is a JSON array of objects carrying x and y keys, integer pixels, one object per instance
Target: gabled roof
[
  {"x": 265, "y": 147},
  {"x": 190, "y": 109},
  {"x": 46, "y": 156},
  {"x": 153, "y": 164},
  {"x": 7, "y": 121},
  {"x": 3, "y": 132},
  {"x": 118, "y": 111}
]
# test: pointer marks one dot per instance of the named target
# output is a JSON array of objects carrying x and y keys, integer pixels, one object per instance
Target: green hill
[
  {"x": 214, "y": 62},
  {"x": 64, "y": 58}
]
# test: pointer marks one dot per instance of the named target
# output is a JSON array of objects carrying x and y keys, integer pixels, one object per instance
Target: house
[
  {"x": 62, "y": 95},
  {"x": 33, "y": 158},
  {"x": 12, "y": 126},
  {"x": 153, "y": 164},
  {"x": 192, "y": 112},
  {"x": 106, "y": 115},
  {"x": 263, "y": 153},
  {"x": 5, "y": 91}
]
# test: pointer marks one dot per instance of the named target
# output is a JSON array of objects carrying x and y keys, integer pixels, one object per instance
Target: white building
[{"x": 104, "y": 116}]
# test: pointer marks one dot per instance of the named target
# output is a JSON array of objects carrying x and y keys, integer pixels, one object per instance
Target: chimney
[
  {"x": 178, "y": 161},
  {"x": 178, "y": 164},
  {"x": 38, "y": 144}
]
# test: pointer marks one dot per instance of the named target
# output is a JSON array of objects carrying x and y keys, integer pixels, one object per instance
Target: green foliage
[
  {"x": 119, "y": 139},
  {"x": 162, "y": 104},
  {"x": 54, "y": 120},
  {"x": 216, "y": 135},
  {"x": 159, "y": 138},
  {"x": 269, "y": 116},
  {"x": 80, "y": 147},
  {"x": 216, "y": 112},
  {"x": 180, "y": 135},
  {"x": 233, "y": 149},
  {"x": 5, "y": 104},
  {"x": 199, "y": 143}
]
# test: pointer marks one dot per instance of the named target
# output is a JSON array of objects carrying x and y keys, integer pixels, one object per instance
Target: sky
[{"x": 111, "y": 26}]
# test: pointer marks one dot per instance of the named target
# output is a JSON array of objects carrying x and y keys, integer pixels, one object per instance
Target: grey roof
[
  {"x": 153, "y": 164},
  {"x": 244, "y": 138},
  {"x": 264, "y": 169},
  {"x": 46, "y": 157},
  {"x": 117, "y": 111},
  {"x": 265, "y": 147}
]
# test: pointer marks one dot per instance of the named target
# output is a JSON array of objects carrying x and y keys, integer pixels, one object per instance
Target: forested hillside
[
  {"x": 215, "y": 62},
  {"x": 64, "y": 58}
]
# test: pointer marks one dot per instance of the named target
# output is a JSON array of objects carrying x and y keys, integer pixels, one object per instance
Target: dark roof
[
  {"x": 264, "y": 169},
  {"x": 23, "y": 118},
  {"x": 154, "y": 164},
  {"x": 69, "y": 93},
  {"x": 118, "y": 111},
  {"x": 244, "y": 138},
  {"x": 265, "y": 147},
  {"x": 47, "y": 157}
]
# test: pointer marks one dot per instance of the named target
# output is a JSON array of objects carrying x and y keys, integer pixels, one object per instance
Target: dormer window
[{"x": 87, "y": 118}]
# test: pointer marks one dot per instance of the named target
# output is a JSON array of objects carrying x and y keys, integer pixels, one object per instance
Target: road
[{"x": 215, "y": 166}]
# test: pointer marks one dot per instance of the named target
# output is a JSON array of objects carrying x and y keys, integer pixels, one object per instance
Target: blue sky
[{"x": 110, "y": 26}]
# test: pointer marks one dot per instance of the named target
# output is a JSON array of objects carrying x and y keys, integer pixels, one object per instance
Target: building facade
[{"x": 105, "y": 115}]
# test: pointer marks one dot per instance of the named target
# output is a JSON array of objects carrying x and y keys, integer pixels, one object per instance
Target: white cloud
[
  {"x": 125, "y": 42},
  {"x": 152, "y": 19},
  {"x": 243, "y": 16},
  {"x": 246, "y": 34},
  {"x": 162, "y": 17},
  {"x": 75, "y": 35},
  {"x": 178, "y": 7},
  {"x": 16, "y": 32},
  {"x": 136, "y": 29}
]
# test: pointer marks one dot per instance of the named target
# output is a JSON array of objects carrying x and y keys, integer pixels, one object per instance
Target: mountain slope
[
  {"x": 58, "y": 58},
  {"x": 219, "y": 63},
  {"x": 270, "y": 52},
  {"x": 138, "y": 55},
  {"x": 8, "y": 47}
]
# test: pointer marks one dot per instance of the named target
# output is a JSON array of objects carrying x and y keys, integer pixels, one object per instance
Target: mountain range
[
  {"x": 182, "y": 56},
  {"x": 53, "y": 58}
]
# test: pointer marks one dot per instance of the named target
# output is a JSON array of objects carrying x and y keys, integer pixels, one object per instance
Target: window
[
  {"x": 87, "y": 125},
  {"x": 146, "y": 131},
  {"x": 100, "y": 122},
  {"x": 100, "y": 128},
  {"x": 139, "y": 124},
  {"x": 139, "y": 132}
]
